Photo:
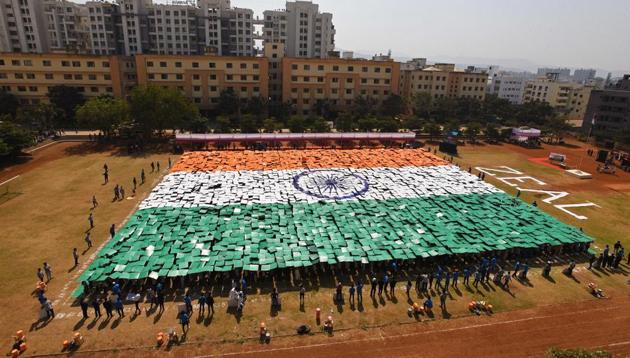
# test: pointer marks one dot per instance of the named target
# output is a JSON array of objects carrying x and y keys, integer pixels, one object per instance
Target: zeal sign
[{"x": 515, "y": 177}]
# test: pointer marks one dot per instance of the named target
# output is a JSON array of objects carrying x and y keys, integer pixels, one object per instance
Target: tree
[
  {"x": 257, "y": 106},
  {"x": 364, "y": 106},
  {"x": 197, "y": 125},
  {"x": 103, "y": 113},
  {"x": 67, "y": 99},
  {"x": 388, "y": 125},
  {"x": 492, "y": 133},
  {"x": 42, "y": 119},
  {"x": 223, "y": 125},
  {"x": 325, "y": 108},
  {"x": 8, "y": 103},
  {"x": 393, "y": 106},
  {"x": 556, "y": 127},
  {"x": 422, "y": 104},
  {"x": 345, "y": 123},
  {"x": 367, "y": 124},
  {"x": 155, "y": 108},
  {"x": 622, "y": 139},
  {"x": 444, "y": 109},
  {"x": 320, "y": 126},
  {"x": 229, "y": 103},
  {"x": 433, "y": 130},
  {"x": 13, "y": 138},
  {"x": 248, "y": 124},
  {"x": 576, "y": 353},
  {"x": 296, "y": 124},
  {"x": 472, "y": 131},
  {"x": 270, "y": 125},
  {"x": 281, "y": 111}
]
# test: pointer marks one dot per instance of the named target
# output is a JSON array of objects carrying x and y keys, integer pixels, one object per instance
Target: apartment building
[
  {"x": 23, "y": 26},
  {"x": 203, "y": 78},
  {"x": 308, "y": 81},
  {"x": 30, "y": 76},
  {"x": 444, "y": 81},
  {"x": 509, "y": 86},
  {"x": 608, "y": 111},
  {"x": 566, "y": 97},
  {"x": 67, "y": 26},
  {"x": 559, "y": 74},
  {"x": 274, "y": 53},
  {"x": 103, "y": 32},
  {"x": 302, "y": 28}
]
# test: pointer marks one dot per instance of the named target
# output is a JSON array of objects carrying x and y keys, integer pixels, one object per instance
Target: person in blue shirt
[
  {"x": 517, "y": 266},
  {"x": 455, "y": 278},
  {"x": 438, "y": 279},
  {"x": 119, "y": 307},
  {"x": 447, "y": 280},
  {"x": 351, "y": 294},
  {"x": 185, "y": 321},
  {"x": 524, "y": 272},
  {"x": 428, "y": 304},
  {"x": 188, "y": 302},
  {"x": 359, "y": 285},
  {"x": 202, "y": 304},
  {"x": 116, "y": 288}
]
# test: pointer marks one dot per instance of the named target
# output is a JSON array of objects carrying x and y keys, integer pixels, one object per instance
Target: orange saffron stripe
[{"x": 298, "y": 159}]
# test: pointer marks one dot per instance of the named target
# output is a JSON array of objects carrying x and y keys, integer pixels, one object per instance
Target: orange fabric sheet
[{"x": 298, "y": 159}]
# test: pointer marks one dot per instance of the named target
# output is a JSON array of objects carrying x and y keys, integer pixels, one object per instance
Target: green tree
[
  {"x": 13, "y": 138},
  {"x": 472, "y": 131},
  {"x": 367, "y": 124},
  {"x": 281, "y": 111},
  {"x": 622, "y": 139},
  {"x": 197, "y": 125},
  {"x": 248, "y": 124},
  {"x": 223, "y": 125},
  {"x": 576, "y": 353},
  {"x": 41, "y": 119},
  {"x": 422, "y": 104},
  {"x": 444, "y": 109},
  {"x": 8, "y": 103},
  {"x": 229, "y": 104},
  {"x": 364, "y": 106},
  {"x": 345, "y": 123},
  {"x": 413, "y": 123},
  {"x": 556, "y": 127},
  {"x": 326, "y": 109},
  {"x": 492, "y": 133},
  {"x": 433, "y": 130},
  {"x": 393, "y": 106},
  {"x": 103, "y": 113},
  {"x": 320, "y": 126},
  {"x": 258, "y": 107},
  {"x": 388, "y": 125},
  {"x": 270, "y": 125},
  {"x": 296, "y": 124},
  {"x": 155, "y": 109},
  {"x": 67, "y": 99}
]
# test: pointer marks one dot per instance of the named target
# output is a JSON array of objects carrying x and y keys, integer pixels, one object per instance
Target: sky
[{"x": 512, "y": 33}]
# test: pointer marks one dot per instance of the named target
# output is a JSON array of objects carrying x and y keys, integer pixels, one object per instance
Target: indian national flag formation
[{"x": 258, "y": 211}]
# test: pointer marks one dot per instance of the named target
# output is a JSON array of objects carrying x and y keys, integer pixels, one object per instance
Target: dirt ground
[
  {"x": 36, "y": 159},
  {"x": 50, "y": 217}
]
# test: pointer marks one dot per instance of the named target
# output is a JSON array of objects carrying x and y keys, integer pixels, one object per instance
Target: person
[
  {"x": 455, "y": 278},
  {"x": 185, "y": 321},
  {"x": 339, "y": 295},
  {"x": 50, "y": 312},
  {"x": 211, "y": 303},
  {"x": 507, "y": 278},
  {"x": 75, "y": 255},
  {"x": 169, "y": 162},
  {"x": 385, "y": 282},
  {"x": 380, "y": 287},
  {"x": 302, "y": 292},
  {"x": 244, "y": 286},
  {"x": 447, "y": 280},
  {"x": 438, "y": 278},
  {"x": 40, "y": 274},
  {"x": 428, "y": 304},
  {"x": 430, "y": 280},
  {"x": 109, "y": 308},
  {"x": 94, "y": 202},
  {"x": 152, "y": 167},
  {"x": 477, "y": 278},
  {"x": 48, "y": 272},
  {"x": 135, "y": 183},
  {"x": 351, "y": 294},
  {"x": 160, "y": 299},
  {"x": 116, "y": 193},
  {"x": 88, "y": 241},
  {"x": 591, "y": 259},
  {"x": 202, "y": 304},
  {"x": 122, "y": 192},
  {"x": 569, "y": 270},
  {"x": 359, "y": 285},
  {"x": 518, "y": 193},
  {"x": 97, "y": 307},
  {"x": 443, "y": 300},
  {"x": 517, "y": 267},
  {"x": 374, "y": 282},
  {"x": 466, "y": 276},
  {"x": 106, "y": 177},
  {"x": 112, "y": 230},
  {"x": 392, "y": 285},
  {"x": 524, "y": 271},
  {"x": 158, "y": 166},
  {"x": 84, "y": 308},
  {"x": 119, "y": 307},
  {"x": 91, "y": 220},
  {"x": 408, "y": 287},
  {"x": 534, "y": 204},
  {"x": 617, "y": 246},
  {"x": 105, "y": 168},
  {"x": 137, "y": 306},
  {"x": 606, "y": 254},
  {"x": 547, "y": 269},
  {"x": 188, "y": 302},
  {"x": 142, "y": 176}
]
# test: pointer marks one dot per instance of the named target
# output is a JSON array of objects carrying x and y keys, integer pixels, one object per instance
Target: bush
[{"x": 576, "y": 353}]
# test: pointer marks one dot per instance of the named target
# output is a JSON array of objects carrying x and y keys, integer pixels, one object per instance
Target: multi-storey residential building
[
  {"x": 134, "y": 23},
  {"x": 608, "y": 111},
  {"x": 67, "y": 26},
  {"x": 584, "y": 75},
  {"x": 23, "y": 26},
  {"x": 237, "y": 32},
  {"x": 559, "y": 74},
  {"x": 274, "y": 52},
  {"x": 302, "y": 28},
  {"x": 30, "y": 76},
  {"x": 339, "y": 81},
  {"x": 443, "y": 80},
  {"x": 203, "y": 78},
  {"x": 509, "y": 86},
  {"x": 566, "y": 97},
  {"x": 102, "y": 18}
]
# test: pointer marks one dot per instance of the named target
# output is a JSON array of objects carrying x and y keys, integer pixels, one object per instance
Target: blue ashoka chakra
[{"x": 331, "y": 184}]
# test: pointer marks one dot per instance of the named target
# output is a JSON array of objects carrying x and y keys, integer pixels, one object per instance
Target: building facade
[
  {"x": 444, "y": 81},
  {"x": 23, "y": 26},
  {"x": 559, "y": 74},
  {"x": 584, "y": 75},
  {"x": 30, "y": 76},
  {"x": 203, "y": 78},
  {"x": 608, "y": 111},
  {"x": 509, "y": 86},
  {"x": 302, "y": 28}
]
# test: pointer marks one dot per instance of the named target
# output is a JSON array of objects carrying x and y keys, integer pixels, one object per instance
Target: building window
[
  {"x": 195, "y": 77},
  {"x": 46, "y": 63},
  {"x": 162, "y": 64},
  {"x": 92, "y": 77},
  {"x": 179, "y": 76},
  {"x": 350, "y": 68},
  {"x": 178, "y": 64},
  {"x": 243, "y": 66},
  {"x": 212, "y": 65},
  {"x": 320, "y": 68},
  {"x": 18, "y": 76},
  {"x": 228, "y": 65},
  {"x": 90, "y": 64},
  {"x": 76, "y": 64},
  {"x": 164, "y": 76},
  {"x": 65, "y": 63},
  {"x": 255, "y": 65},
  {"x": 49, "y": 76},
  {"x": 335, "y": 68},
  {"x": 294, "y": 67},
  {"x": 149, "y": 63},
  {"x": 106, "y": 64},
  {"x": 67, "y": 77}
]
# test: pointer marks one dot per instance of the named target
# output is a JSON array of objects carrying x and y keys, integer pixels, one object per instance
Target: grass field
[{"x": 49, "y": 218}]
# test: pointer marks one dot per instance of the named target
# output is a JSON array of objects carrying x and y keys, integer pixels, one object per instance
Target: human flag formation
[{"x": 258, "y": 211}]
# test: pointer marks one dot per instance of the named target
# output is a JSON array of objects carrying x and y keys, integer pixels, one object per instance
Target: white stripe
[{"x": 185, "y": 189}]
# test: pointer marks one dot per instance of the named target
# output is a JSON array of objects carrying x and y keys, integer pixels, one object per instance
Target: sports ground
[{"x": 47, "y": 216}]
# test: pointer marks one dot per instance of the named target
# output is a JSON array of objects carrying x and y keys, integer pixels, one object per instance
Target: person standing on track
[
  {"x": 40, "y": 274},
  {"x": 142, "y": 176},
  {"x": 88, "y": 241},
  {"x": 91, "y": 221},
  {"x": 48, "y": 272},
  {"x": 75, "y": 255},
  {"x": 94, "y": 202},
  {"x": 112, "y": 230}
]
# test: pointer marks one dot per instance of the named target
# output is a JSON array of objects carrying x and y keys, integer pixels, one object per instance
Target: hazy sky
[{"x": 573, "y": 33}]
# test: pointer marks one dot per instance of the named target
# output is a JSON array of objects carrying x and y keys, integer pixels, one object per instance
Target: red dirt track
[{"x": 39, "y": 157}]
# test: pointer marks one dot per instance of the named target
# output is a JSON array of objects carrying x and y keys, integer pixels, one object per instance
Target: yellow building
[
  {"x": 305, "y": 81},
  {"x": 444, "y": 80},
  {"x": 203, "y": 78},
  {"x": 30, "y": 76},
  {"x": 566, "y": 97}
]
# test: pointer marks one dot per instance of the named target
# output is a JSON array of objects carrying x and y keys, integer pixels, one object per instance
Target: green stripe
[{"x": 293, "y": 235}]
